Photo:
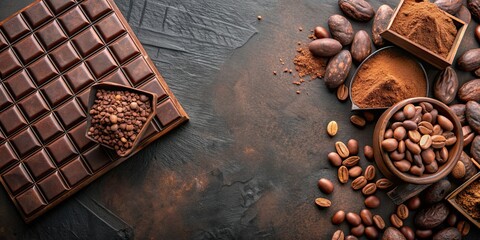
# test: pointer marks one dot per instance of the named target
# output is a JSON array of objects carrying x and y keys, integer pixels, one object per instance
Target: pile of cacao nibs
[{"x": 118, "y": 118}]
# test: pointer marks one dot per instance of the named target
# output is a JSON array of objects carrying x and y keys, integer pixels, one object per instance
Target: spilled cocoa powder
[
  {"x": 387, "y": 78},
  {"x": 469, "y": 199},
  {"x": 307, "y": 64},
  {"x": 427, "y": 25}
]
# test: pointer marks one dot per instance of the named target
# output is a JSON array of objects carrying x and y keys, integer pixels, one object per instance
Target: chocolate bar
[{"x": 51, "y": 52}]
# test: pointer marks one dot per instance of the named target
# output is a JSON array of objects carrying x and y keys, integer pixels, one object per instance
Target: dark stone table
[{"x": 247, "y": 163}]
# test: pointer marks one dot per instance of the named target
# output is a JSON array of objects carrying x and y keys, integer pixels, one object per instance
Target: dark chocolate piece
[
  {"x": 33, "y": 106},
  {"x": 25, "y": 142},
  {"x": 20, "y": 84},
  {"x": 124, "y": 48},
  {"x": 167, "y": 113},
  {"x": 15, "y": 27},
  {"x": 83, "y": 98},
  {"x": 101, "y": 63},
  {"x": 64, "y": 56},
  {"x": 52, "y": 186},
  {"x": 11, "y": 120},
  {"x": 87, "y": 42},
  {"x": 28, "y": 49},
  {"x": 37, "y": 14},
  {"x": 96, "y": 8},
  {"x": 30, "y": 201},
  {"x": 74, "y": 171},
  {"x": 79, "y": 77},
  {"x": 70, "y": 114},
  {"x": 78, "y": 136},
  {"x": 3, "y": 42},
  {"x": 61, "y": 150},
  {"x": 138, "y": 70},
  {"x": 48, "y": 128},
  {"x": 42, "y": 70},
  {"x": 5, "y": 99},
  {"x": 110, "y": 27},
  {"x": 73, "y": 20},
  {"x": 39, "y": 164},
  {"x": 17, "y": 178},
  {"x": 51, "y": 35},
  {"x": 96, "y": 158},
  {"x": 56, "y": 92},
  {"x": 153, "y": 86},
  {"x": 8, "y": 156},
  {"x": 8, "y": 63},
  {"x": 116, "y": 77},
  {"x": 59, "y": 5}
]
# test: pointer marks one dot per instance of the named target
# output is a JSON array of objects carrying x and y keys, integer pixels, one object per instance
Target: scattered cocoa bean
[
  {"x": 380, "y": 24},
  {"x": 341, "y": 29},
  {"x": 469, "y": 60},
  {"x": 361, "y": 46},
  {"x": 446, "y": 85},
  {"x": 338, "y": 69},
  {"x": 449, "y": 6},
  {"x": 359, "y": 10},
  {"x": 325, "y": 47},
  {"x": 470, "y": 91}
]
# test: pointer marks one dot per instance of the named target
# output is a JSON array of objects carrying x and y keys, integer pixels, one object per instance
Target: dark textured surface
[{"x": 246, "y": 165}]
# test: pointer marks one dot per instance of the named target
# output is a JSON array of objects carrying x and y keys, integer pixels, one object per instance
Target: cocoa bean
[
  {"x": 338, "y": 69},
  {"x": 470, "y": 91},
  {"x": 459, "y": 110},
  {"x": 470, "y": 168},
  {"x": 393, "y": 234},
  {"x": 341, "y": 29},
  {"x": 436, "y": 192},
  {"x": 380, "y": 24},
  {"x": 464, "y": 15},
  {"x": 449, "y": 233},
  {"x": 475, "y": 148},
  {"x": 446, "y": 85},
  {"x": 359, "y": 10},
  {"x": 321, "y": 32},
  {"x": 474, "y": 7},
  {"x": 449, "y": 6},
  {"x": 361, "y": 46},
  {"x": 472, "y": 113},
  {"x": 325, "y": 47},
  {"x": 470, "y": 60},
  {"x": 432, "y": 216}
]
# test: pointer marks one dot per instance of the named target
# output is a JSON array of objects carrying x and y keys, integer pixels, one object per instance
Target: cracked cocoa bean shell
[
  {"x": 446, "y": 85},
  {"x": 341, "y": 29},
  {"x": 338, "y": 69},
  {"x": 359, "y": 10},
  {"x": 380, "y": 24},
  {"x": 470, "y": 91}
]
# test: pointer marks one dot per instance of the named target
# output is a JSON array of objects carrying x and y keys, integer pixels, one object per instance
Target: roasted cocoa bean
[
  {"x": 325, "y": 185},
  {"x": 342, "y": 93},
  {"x": 450, "y": 6},
  {"x": 361, "y": 46},
  {"x": 321, "y": 32},
  {"x": 432, "y": 216},
  {"x": 449, "y": 233},
  {"x": 396, "y": 221},
  {"x": 470, "y": 60},
  {"x": 338, "y": 235},
  {"x": 474, "y": 7},
  {"x": 359, "y": 183},
  {"x": 414, "y": 203},
  {"x": 370, "y": 173},
  {"x": 408, "y": 232},
  {"x": 383, "y": 183},
  {"x": 372, "y": 202},
  {"x": 338, "y": 69},
  {"x": 380, "y": 23},
  {"x": 379, "y": 222},
  {"x": 472, "y": 114},
  {"x": 351, "y": 237},
  {"x": 423, "y": 234},
  {"x": 342, "y": 149},
  {"x": 355, "y": 172},
  {"x": 334, "y": 159},
  {"x": 459, "y": 171},
  {"x": 368, "y": 152},
  {"x": 402, "y": 211},
  {"x": 358, "y": 121},
  {"x": 470, "y": 168},
  {"x": 446, "y": 85},
  {"x": 369, "y": 189},
  {"x": 341, "y": 29},
  {"x": 463, "y": 227},
  {"x": 470, "y": 91},
  {"x": 353, "y": 219},
  {"x": 452, "y": 219},
  {"x": 325, "y": 47},
  {"x": 352, "y": 146},
  {"x": 359, "y": 10},
  {"x": 351, "y": 161},
  {"x": 358, "y": 230},
  {"x": 367, "y": 217},
  {"x": 477, "y": 34},
  {"x": 371, "y": 232},
  {"x": 338, "y": 217},
  {"x": 389, "y": 145},
  {"x": 343, "y": 174},
  {"x": 437, "y": 191},
  {"x": 323, "y": 202},
  {"x": 393, "y": 234}
]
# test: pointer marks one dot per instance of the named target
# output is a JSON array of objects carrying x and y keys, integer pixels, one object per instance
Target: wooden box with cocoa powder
[
  {"x": 459, "y": 196},
  {"x": 426, "y": 31}
]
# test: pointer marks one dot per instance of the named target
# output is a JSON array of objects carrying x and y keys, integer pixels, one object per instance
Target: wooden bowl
[{"x": 383, "y": 160}]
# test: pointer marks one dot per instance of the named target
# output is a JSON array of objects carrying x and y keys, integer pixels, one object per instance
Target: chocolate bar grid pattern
[{"x": 50, "y": 54}]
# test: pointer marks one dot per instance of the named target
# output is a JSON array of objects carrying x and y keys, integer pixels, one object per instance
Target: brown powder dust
[
  {"x": 307, "y": 64},
  {"x": 386, "y": 78},
  {"x": 427, "y": 25},
  {"x": 469, "y": 199}
]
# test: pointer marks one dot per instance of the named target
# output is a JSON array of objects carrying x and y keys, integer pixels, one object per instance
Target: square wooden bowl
[
  {"x": 451, "y": 198},
  {"x": 117, "y": 87},
  {"x": 421, "y": 51}
]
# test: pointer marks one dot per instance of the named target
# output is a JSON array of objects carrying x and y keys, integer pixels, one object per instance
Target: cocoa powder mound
[
  {"x": 469, "y": 199},
  {"x": 427, "y": 25},
  {"x": 387, "y": 78},
  {"x": 307, "y": 64}
]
